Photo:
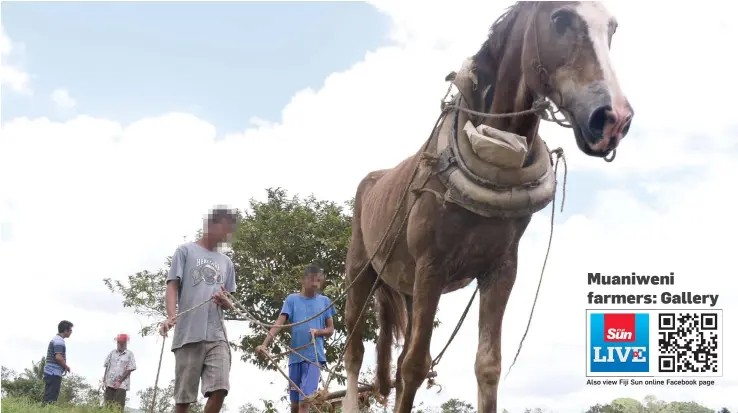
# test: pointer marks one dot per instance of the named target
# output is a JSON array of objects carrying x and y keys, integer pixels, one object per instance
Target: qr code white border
[{"x": 665, "y": 320}]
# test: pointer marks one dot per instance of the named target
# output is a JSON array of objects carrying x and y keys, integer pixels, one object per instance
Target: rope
[
  {"x": 161, "y": 353},
  {"x": 456, "y": 330},
  {"x": 559, "y": 156},
  {"x": 539, "y": 107},
  {"x": 320, "y": 370},
  {"x": 158, "y": 370}
]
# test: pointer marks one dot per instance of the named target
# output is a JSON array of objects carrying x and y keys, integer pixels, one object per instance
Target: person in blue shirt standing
[
  {"x": 56, "y": 362},
  {"x": 299, "y": 307}
]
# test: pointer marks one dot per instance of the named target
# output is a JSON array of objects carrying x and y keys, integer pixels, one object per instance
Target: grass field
[{"x": 13, "y": 405}]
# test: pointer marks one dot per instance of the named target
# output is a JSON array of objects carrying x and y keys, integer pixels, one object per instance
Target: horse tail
[{"x": 392, "y": 320}]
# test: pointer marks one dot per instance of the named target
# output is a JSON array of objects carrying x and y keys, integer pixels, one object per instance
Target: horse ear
[{"x": 450, "y": 77}]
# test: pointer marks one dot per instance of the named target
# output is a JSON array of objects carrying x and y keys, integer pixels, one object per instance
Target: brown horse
[{"x": 471, "y": 228}]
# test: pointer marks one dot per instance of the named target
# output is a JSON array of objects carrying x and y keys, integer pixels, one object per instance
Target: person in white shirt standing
[{"x": 118, "y": 367}]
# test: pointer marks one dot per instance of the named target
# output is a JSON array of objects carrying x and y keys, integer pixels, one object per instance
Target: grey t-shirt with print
[{"x": 201, "y": 273}]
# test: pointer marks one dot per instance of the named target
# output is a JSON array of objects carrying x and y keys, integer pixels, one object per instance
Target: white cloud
[
  {"x": 12, "y": 76},
  {"x": 63, "y": 99},
  {"x": 92, "y": 198}
]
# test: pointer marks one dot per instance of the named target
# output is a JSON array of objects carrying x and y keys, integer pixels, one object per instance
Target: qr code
[{"x": 688, "y": 342}]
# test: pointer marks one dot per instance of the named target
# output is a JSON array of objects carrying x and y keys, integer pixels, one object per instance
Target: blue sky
[{"x": 222, "y": 61}]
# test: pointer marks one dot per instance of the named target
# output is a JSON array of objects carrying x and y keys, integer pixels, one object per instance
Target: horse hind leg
[
  {"x": 355, "y": 322},
  {"x": 405, "y": 345},
  {"x": 392, "y": 320}
]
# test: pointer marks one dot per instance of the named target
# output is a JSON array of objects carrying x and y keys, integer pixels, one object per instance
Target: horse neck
[{"x": 511, "y": 94}]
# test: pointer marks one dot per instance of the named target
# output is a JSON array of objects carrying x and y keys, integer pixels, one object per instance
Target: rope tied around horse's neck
[{"x": 559, "y": 154}]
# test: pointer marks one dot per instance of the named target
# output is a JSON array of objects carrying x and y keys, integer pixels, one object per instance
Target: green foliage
[
  {"x": 248, "y": 408},
  {"x": 144, "y": 293},
  {"x": 274, "y": 242},
  {"x": 24, "y": 405},
  {"x": 457, "y": 406},
  {"x": 164, "y": 400},
  {"x": 650, "y": 404},
  {"x": 21, "y": 387},
  {"x": 29, "y": 386}
]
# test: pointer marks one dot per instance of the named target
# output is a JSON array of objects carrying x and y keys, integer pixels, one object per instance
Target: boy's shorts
[
  {"x": 306, "y": 376},
  {"x": 207, "y": 363}
]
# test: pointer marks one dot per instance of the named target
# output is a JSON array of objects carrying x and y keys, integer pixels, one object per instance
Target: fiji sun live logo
[{"x": 618, "y": 343}]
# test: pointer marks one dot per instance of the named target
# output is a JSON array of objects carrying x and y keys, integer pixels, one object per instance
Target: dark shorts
[
  {"x": 307, "y": 377},
  {"x": 116, "y": 396},
  {"x": 52, "y": 385}
]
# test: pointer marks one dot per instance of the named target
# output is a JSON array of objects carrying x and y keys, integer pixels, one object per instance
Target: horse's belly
[
  {"x": 457, "y": 285},
  {"x": 400, "y": 275}
]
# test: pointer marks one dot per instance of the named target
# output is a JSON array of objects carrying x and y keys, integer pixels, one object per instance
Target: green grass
[{"x": 15, "y": 405}]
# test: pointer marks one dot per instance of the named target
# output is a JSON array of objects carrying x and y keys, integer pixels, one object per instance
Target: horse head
[{"x": 561, "y": 51}]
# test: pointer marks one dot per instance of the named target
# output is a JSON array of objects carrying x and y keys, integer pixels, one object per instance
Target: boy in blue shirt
[{"x": 298, "y": 307}]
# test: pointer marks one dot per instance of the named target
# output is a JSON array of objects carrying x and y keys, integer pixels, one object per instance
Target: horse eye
[{"x": 561, "y": 22}]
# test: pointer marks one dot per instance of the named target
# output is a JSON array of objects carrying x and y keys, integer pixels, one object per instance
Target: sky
[{"x": 123, "y": 123}]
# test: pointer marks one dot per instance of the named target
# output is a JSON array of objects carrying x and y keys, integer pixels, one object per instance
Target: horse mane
[{"x": 487, "y": 60}]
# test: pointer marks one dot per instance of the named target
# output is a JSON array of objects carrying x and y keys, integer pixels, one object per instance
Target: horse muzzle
[{"x": 599, "y": 121}]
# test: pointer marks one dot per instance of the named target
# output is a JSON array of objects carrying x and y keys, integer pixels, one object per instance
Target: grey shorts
[{"x": 206, "y": 360}]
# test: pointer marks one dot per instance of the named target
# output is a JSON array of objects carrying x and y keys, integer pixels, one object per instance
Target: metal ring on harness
[{"x": 612, "y": 158}]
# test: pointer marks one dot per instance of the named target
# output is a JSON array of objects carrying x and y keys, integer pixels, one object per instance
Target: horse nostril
[
  {"x": 599, "y": 119},
  {"x": 627, "y": 125}
]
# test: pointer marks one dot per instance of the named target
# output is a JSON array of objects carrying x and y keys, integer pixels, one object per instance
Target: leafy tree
[
  {"x": 457, "y": 406},
  {"x": 598, "y": 408},
  {"x": 650, "y": 404},
  {"x": 276, "y": 239},
  {"x": 724, "y": 410},
  {"x": 36, "y": 372},
  {"x": 248, "y": 408},
  {"x": 20, "y": 386},
  {"x": 164, "y": 400},
  {"x": 269, "y": 406},
  {"x": 30, "y": 385}
]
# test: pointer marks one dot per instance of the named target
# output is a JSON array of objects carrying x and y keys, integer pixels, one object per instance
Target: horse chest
[{"x": 469, "y": 245}]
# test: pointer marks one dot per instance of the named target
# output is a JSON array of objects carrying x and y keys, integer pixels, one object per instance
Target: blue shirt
[
  {"x": 299, "y": 308},
  {"x": 56, "y": 345}
]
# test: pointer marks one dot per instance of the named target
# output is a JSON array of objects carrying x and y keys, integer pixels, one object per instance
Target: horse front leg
[
  {"x": 494, "y": 291},
  {"x": 416, "y": 363},
  {"x": 355, "y": 322}
]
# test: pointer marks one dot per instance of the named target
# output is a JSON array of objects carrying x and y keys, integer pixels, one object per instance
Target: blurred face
[
  {"x": 312, "y": 282},
  {"x": 122, "y": 344},
  {"x": 67, "y": 333},
  {"x": 221, "y": 231}
]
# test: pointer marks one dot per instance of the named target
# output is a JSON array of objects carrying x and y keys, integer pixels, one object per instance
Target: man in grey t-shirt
[{"x": 201, "y": 351}]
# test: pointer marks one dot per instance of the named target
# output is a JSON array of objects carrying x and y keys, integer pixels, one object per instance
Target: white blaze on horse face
[{"x": 597, "y": 18}]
